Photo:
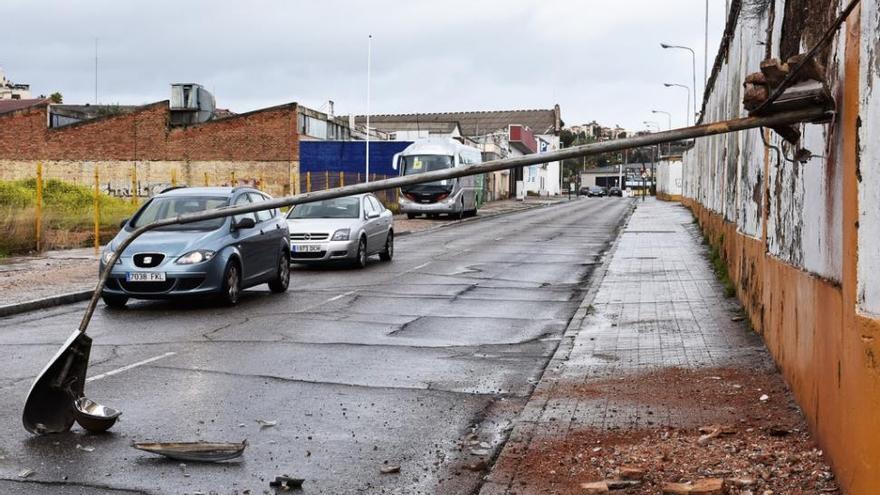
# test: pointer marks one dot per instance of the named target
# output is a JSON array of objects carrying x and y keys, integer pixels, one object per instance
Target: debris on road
[
  {"x": 94, "y": 417},
  {"x": 85, "y": 448},
  {"x": 390, "y": 469},
  {"x": 26, "y": 473},
  {"x": 194, "y": 451},
  {"x": 764, "y": 398},
  {"x": 595, "y": 488},
  {"x": 264, "y": 423},
  {"x": 707, "y": 486},
  {"x": 285, "y": 482},
  {"x": 740, "y": 445}
]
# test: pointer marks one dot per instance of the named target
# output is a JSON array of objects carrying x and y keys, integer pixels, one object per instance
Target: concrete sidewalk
[
  {"x": 659, "y": 381},
  {"x": 61, "y": 277}
]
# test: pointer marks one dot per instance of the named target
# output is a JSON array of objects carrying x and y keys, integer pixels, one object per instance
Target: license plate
[
  {"x": 145, "y": 277},
  {"x": 306, "y": 248}
]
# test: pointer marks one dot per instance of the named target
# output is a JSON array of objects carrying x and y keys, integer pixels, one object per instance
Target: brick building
[{"x": 140, "y": 149}]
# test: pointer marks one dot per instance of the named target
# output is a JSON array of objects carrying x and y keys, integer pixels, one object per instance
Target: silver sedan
[{"x": 348, "y": 229}]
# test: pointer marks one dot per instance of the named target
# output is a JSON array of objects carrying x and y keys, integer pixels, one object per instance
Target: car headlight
[
  {"x": 341, "y": 235},
  {"x": 194, "y": 257},
  {"x": 105, "y": 257}
]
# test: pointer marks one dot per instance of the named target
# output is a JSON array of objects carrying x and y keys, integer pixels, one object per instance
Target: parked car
[
  {"x": 596, "y": 191},
  {"x": 615, "y": 191},
  {"x": 348, "y": 229},
  {"x": 219, "y": 257}
]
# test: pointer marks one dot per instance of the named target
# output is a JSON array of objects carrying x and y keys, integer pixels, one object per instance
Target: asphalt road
[{"x": 413, "y": 363}]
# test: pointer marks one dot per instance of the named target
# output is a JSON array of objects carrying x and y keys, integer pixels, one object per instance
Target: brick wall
[{"x": 258, "y": 145}]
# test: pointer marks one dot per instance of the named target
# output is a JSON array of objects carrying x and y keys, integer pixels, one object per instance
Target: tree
[{"x": 56, "y": 97}]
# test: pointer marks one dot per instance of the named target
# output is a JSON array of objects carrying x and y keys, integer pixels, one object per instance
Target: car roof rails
[{"x": 163, "y": 191}]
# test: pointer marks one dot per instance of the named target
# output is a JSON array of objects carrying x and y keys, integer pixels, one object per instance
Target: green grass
[
  {"x": 68, "y": 215},
  {"x": 719, "y": 266}
]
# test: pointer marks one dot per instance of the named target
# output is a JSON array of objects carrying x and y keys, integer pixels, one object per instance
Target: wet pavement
[{"x": 424, "y": 362}]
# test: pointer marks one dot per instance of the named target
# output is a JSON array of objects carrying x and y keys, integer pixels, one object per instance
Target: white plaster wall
[
  {"x": 669, "y": 177},
  {"x": 727, "y": 173},
  {"x": 869, "y": 162}
]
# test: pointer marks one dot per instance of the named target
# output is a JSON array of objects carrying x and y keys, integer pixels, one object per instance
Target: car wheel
[
  {"x": 282, "y": 281},
  {"x": 410, "y": 215},
  {"x": 388, "y": 252},
  {"x": 114, "y": 301},
  {"x": 231, "y": 284},
  {"x": 361, "y": 259}
]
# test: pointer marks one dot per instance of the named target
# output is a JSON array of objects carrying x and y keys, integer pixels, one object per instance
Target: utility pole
[
  {"x": 706, "y": 51},
  {"x": 369, "y": 63},
  {"x": 96, "y": 71}
]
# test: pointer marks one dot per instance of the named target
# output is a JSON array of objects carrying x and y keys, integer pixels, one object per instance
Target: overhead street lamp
[
  {"x": 688, "y": 107},
  {"x": 669, "y": 120},
  {"x": 693, "y": 66}
]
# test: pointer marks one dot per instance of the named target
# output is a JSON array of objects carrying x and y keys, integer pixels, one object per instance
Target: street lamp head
[
  {"x": 668, "y": 85},
  {"x": 664, "y": 45}
]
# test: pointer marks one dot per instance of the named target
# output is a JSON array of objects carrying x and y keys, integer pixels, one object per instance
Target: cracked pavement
[{"x": 398, "y": 363}]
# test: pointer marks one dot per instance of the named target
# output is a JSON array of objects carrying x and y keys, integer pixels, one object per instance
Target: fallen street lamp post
[{"x": 48, "y": 407}]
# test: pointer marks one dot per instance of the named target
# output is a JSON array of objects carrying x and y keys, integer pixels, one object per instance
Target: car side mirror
[
  {"x": 374, "y": 214},
  {"x": 123, "y": 223},
  {"x": 244, "y": 223}
]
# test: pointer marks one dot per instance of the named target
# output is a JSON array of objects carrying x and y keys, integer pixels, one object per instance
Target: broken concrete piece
[
  {"x": 285, "y": 482},
  {"x": 707, "y": 486},
  {"x": 26, "y": 473},
  {"x": 265, "y": 423},
  {"x": 630, "y": 473},
  {"x": 621, "y": 484},
  {"x": 773, "y": 71},
  {"x": 595, "y": 487},
  {"x": 390, "y": 469},
  {"x": 477, "y": 466}
]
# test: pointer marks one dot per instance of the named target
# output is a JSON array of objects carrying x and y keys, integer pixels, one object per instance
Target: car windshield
[
  {"x": 417, "y": 164},
  {"x": 329, "y": 208},
  {"x": 161, "y": 208}
]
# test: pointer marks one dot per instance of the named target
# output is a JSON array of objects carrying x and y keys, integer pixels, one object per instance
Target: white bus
[{"x": 454, "y": 197}]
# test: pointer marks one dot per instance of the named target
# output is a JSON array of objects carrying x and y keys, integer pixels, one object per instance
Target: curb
[
  {"x": 479, "y": 218},
  {"x": 47, "y": 302}
]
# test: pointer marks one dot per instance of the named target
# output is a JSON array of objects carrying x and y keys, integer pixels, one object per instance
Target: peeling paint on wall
[{"x": 868, "y": 290}]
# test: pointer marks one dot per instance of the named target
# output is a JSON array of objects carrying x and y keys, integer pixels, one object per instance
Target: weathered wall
[
  {"x": 669, "y": 180},
  {"x": 800, "y": 238},
  {"x": 260, "y": 148}
]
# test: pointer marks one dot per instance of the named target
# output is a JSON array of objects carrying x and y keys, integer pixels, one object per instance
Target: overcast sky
[{"x": 598, "y": 59}]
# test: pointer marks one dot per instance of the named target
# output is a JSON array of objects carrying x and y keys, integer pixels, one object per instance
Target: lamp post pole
[
  {"x": 669, "y": 121},
  {"x": 688, "y": 106},
  {"x": 369, "y": 63},
  {"x": 693, "y": 67}
]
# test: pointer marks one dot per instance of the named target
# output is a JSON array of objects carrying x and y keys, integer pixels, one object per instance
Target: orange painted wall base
[{"x": 827, "y": 353}]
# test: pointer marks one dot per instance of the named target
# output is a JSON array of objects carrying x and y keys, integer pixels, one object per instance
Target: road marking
[
  {"x": 340, "y": 296},
  {"x": 420, "y": 266},
  {"x": 130, "y": 366}
]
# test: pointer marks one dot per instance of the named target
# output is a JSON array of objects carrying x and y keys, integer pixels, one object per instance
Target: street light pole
[
  {"x": 694, "y": 69},
  {"x": 669, "y": 121},
  {"x": 369, "y": 64},
  {"x": 688, "y": 107}
]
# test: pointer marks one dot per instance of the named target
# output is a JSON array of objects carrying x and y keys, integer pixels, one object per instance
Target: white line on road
[
  {"x": 130, "y": 366},
  {"x": 420, "y": 266},
  {"x": 340, "y": 296}
]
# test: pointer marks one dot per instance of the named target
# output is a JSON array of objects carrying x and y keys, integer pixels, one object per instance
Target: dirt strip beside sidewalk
[{"x": 662, "y": 387}]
